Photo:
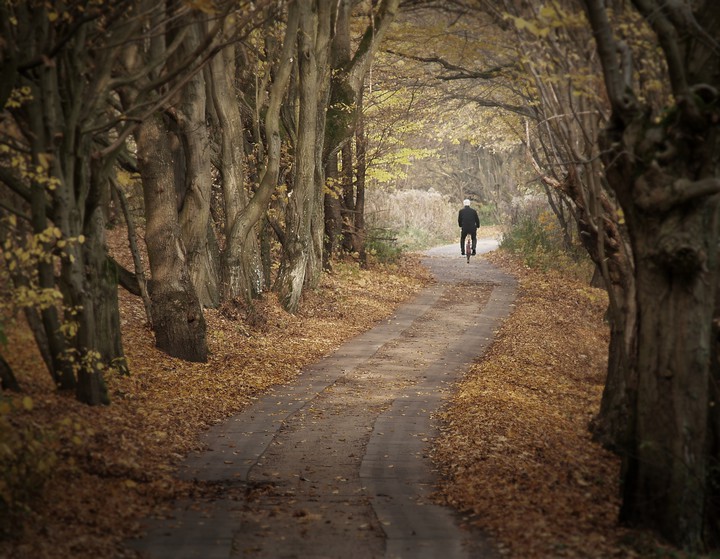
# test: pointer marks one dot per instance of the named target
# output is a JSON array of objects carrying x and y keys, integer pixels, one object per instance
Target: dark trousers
[{"x": 473, "y": 236}]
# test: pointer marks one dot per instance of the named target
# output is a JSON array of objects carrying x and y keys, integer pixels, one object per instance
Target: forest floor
[{"x": 515, "y": 450}]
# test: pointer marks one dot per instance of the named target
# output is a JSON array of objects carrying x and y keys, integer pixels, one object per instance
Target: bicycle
[{"x": 468, "y": 248}]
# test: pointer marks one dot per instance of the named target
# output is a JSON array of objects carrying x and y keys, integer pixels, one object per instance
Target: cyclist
[{"x": 468, "y": 221}]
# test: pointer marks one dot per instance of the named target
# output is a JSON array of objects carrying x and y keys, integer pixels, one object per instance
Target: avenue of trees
[{"x": 248, "y": 125}]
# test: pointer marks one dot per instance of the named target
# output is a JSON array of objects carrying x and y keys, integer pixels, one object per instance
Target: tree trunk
[
  {"x": 61, "y": 369},
  {"x": 301, "y": 199},
  {"x": 7, "y": 377},
  {"x": 348, "y": 200},
  {"x": 243, "y": 258},
  {"x": 712, "y": 513},
  {"x": 333, "y": 217},
  {"x": 323, "y": 42},
  {"x": 666, "y": 174},
  {"x": 666, "y": 473},
  {"x": 137, "y": 261},
  {"x": 197, "y": 187},
  {"x": 240, "y": 274},
  {"x": 178, "y": 320},
  {"x": 361, "y": 169},
  {"x": 345, "y": 93}
]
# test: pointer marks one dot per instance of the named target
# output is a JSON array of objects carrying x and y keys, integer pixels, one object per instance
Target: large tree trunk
[
  {"x": 241, "y": 276},
  {"x": 302, "y": 198},
  {"x": 348, "y": 199},
  {"x": 197, "y": 187},
  {"x": 61, "y": 369},
  {"x": 178, "y": 319},
  {"x": 712, "y": 512},
  {"x": 243, "y": 262},
  {"x": 79, "y": 355},
  {"x": 666, "y": 174},
  {"x": 675, "y": 250},
  {"x": 326, "y": 16}
]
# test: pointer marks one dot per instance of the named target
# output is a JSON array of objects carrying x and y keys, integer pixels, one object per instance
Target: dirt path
[{"x": 335, "y": 464}]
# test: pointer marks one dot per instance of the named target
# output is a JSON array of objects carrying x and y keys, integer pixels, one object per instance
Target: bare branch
[
  {"x": 462, "y": 72},
  {"x": 668, "y": 38},
  {"x": 621, "y": 98}
]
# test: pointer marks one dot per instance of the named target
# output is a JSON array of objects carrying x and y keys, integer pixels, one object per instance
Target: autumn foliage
[{"x": 75, "y": 480}]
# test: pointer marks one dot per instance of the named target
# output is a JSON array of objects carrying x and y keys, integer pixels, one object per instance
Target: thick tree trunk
[
  {"x": 178, "y": 320},
  {"x": 197, "y": 187},
  {"x": 666, "y": 475},
  {"x": 712, "y": 512},
  {"x": 61, "y": 369},
  {"x": 666, "y": 174},
  {"x": 301, "y": 200},
  {"x": 244, "y": 264},
  {"x": 99, "y": 340},
  {"x": 671, "y": 208},
  {"x": 323, "y": 42},
  {"x": 137, "y": 261},
  {"x": 7, "y": 377},
  {"x": 241, "y": 276}
]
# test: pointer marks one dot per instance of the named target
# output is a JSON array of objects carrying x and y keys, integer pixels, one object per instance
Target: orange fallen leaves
[
  {"x": 515, "y": 450},
  {"x": 116, "y": 463}
]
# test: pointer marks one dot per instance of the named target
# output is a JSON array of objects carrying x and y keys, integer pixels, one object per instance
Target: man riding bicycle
[{"x": 468, "y": 221}]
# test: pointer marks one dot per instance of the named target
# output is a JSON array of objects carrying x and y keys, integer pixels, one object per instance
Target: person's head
[{"x": 466, "y": 202}]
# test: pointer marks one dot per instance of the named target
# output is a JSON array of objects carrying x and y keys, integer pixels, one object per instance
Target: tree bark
[
  {"x": 333, "y": 216},
  {"x": 178, "y": 319},
  {"x": 139, "y": 274},
  {"x": 243, "y": 250},
  {"x": 361, "y": 168},
  {"x": 302, "y": 198},
  {"x": 666, "y": 174},
  {"x": 240, "y": 275},
  {"x": 324, "y": 30},
  {"x": 7, "y": 377},
  {"x": 197, "y": 187}
]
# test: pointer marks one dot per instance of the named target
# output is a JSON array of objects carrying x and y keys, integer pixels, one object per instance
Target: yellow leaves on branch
[
  {"x": 551, "y": 16},
  {"x": 36, "y": 173}
]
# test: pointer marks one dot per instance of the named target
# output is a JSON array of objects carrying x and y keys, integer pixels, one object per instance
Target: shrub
[
  {"x": 538, "y": 240},
  {"x": 382, "y": 245}
]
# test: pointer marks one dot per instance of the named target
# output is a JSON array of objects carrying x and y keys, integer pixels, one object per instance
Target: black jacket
[{"x": 468, "y": 219}]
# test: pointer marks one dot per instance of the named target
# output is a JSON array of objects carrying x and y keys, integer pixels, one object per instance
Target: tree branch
[
  {"x": 621, "y": 98},
  {"x": 668, "y": 38},
  {"x": 656, "y": 192},
  {"x": 517, "y": 109},
  {"x": 462, "y": 72}
]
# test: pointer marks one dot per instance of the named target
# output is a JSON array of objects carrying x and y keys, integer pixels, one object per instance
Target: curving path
[{"x": 335, "y": 464}]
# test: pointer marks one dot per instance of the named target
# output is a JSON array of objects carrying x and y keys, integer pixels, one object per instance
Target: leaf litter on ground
[{"x": 515, "y": 449}]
